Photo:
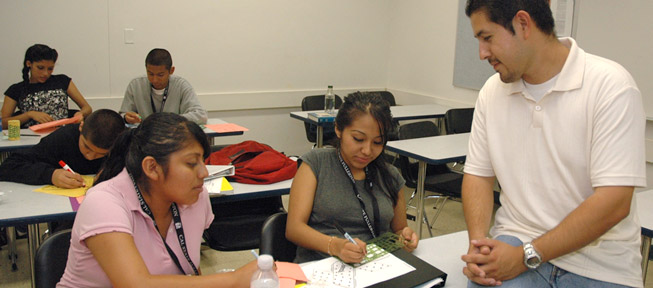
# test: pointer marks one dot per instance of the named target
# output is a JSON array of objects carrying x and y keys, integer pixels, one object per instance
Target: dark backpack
[{"x": 255, "y": 163}]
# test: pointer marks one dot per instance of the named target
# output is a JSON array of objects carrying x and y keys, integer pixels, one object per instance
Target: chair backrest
[
  {"x": 273, "y": 239},
  {"x": 459, "y": 120},
  {"x": 409, "y": 131},
  {"x": 237, "y": 225},
  {"x": 50, "y": 260},
  {"x": 316, "y": 102},
  {"x": 387, "y": 96}
]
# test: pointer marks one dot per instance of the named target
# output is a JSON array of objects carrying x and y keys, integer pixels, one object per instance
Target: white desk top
[
  {"x": 433, "y": 150},
  {"x": 644, "y": 211},
  {"x": 21, "y": 205},
  {"x": 253, "y": 191},
  {"x": 24, "y": 142},
  {"x": 444, "y": 253},
  {"x": 29, "y": 141},
  {"x": 406, "y": 112}
]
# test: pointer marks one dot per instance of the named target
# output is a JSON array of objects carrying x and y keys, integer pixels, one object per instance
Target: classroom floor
[{"x": 450, "y": 220}]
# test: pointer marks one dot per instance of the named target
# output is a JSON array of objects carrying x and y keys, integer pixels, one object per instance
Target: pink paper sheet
[
  {"x": 226, "y": 127},
  {"x": 49, "y": 126}
]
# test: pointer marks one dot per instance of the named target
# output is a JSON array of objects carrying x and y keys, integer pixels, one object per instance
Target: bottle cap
[{"x": 265, "y": 262}]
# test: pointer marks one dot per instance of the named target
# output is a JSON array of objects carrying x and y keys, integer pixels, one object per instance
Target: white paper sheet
[{"x": 331, "y": 272}]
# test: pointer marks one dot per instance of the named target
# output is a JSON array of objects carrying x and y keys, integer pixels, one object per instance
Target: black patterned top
[{"x": 49, "y": 97}]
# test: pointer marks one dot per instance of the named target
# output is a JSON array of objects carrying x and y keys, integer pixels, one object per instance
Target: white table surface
[
  {"x": 405, "y": 112},
  {"x": 29, "y": 141},
  {"x": 444, "y": 253},
  {"x": 433, "y": 150},
  {"x": 24, "y": 142},
  {"x": 430, "y": 150}
]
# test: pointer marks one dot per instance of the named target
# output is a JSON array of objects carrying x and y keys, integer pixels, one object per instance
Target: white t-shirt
[{"x": 550, "y": 154}]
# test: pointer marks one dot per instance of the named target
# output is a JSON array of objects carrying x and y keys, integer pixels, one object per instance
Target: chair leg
[{"x": 440, "y": 202}]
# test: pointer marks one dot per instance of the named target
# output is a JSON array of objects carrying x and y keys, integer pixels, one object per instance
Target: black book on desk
[{"x": 423, "y": 273}]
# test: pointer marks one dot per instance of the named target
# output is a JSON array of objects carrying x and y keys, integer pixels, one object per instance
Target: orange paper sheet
[
  {"x": 226, "y": 127},
  {"x": 49, "y": 126},
  {"x": 291, "y": 271},
  {"x": 286, "y": 283}
]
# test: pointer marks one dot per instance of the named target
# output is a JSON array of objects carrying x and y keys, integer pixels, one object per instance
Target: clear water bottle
[
  {"x": 265, "y": 276},
  {"x": 329, "y": 101}
]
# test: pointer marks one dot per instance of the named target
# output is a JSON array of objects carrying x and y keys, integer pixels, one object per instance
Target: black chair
[
  {"x": 459, "y": 120},
  {"x": 273, "y": 239},
  {"x": 439, "y": 178},
  {"x": 316, "y": 102},
  {"x": 50, "y": 260},
  {"x": 71, "y": 112},
  {"x": 387, "y": 96},
  {"x": 237, "y": 225}
]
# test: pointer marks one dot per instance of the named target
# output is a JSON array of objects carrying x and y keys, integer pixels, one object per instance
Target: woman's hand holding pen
[
  {"x": 409, "y": 238},
  {"x": 349, "y": 252}
]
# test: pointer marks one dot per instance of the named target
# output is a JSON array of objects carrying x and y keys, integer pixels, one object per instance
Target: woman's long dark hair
[
  {"x": 361, "y": 103},
  {"x": 159, "y": 135}
]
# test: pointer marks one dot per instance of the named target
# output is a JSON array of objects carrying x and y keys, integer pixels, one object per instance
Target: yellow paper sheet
[{"x": 75, "y": 192}]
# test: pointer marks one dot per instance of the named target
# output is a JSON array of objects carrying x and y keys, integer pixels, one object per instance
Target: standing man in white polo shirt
[{"x": 563, "y": 132}]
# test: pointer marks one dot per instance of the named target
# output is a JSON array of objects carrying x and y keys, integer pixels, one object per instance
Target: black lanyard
[
  {"x": 163, "y": 101},
  {"x": 369, "y": 183},
  {"x": 178, "y": 227}
]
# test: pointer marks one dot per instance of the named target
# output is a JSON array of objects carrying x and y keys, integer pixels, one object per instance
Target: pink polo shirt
[{"x": 112, "y": 206}]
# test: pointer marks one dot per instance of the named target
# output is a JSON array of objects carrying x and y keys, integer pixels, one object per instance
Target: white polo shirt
[{"x": 588, "y": 131}]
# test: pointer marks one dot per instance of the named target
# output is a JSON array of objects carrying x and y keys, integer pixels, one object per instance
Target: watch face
[{"x": 533, "y": 261}]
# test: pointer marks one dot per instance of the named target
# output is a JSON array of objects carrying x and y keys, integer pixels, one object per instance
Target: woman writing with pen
[
  {"x": 350, "y": 186},
  {"x": 141, "y": 224}
]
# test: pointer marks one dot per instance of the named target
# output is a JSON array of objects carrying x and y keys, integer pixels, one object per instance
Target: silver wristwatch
[{"x": 532, "y": 259}]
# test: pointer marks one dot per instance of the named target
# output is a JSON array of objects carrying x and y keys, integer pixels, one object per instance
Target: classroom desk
[
  {"x": 430, "y": 150},
  {"x": 212, "y": 134},
  {"x": 21, "y": 205},
  {"x": 444, "y": 253},
  {"x": 252, "y": 191},
  {"x": 645, "y": 214},
  {"x": 406, "y": 112},
  {"x": 29, "y": 141},
  {"x": 25, "y": 141}
]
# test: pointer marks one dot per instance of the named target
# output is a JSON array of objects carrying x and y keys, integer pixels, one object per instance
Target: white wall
[
  {"x": 252, "y": 61},
  {"x": 422, "y": 48}
]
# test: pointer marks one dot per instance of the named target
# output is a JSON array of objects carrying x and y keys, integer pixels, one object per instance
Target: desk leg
[
  {"x": 33, "y": 241},
  {"x": 421, "y": 177},
  {"x": 11, "y": 243},
  {"x": 320, "y": 134},
  {"x": 646, "y": 247}
]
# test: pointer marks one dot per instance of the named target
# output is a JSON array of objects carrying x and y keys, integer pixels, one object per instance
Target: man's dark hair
[
  {"x": 102, "y": 127},
  {"x": 159, "y": 57},
  {"x": 503, "y": 11}
]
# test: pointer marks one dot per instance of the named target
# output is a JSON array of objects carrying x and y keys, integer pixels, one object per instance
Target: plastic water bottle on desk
[
  {"x": 265, "y": 276},
  {"x": 329, "y": 101}
]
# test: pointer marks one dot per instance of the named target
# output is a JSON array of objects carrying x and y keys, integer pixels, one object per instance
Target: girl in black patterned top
[{"x": 41, "y": 97}]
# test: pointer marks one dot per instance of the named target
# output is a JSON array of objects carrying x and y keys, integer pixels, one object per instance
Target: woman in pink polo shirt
[{"x": 142, "y": 223}]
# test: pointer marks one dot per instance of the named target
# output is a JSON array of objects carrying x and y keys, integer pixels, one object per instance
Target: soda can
[{"x": 14, "y": 130}]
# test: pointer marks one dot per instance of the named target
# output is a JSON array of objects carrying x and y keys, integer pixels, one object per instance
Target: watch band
[{"x": 532, "y": 259}]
